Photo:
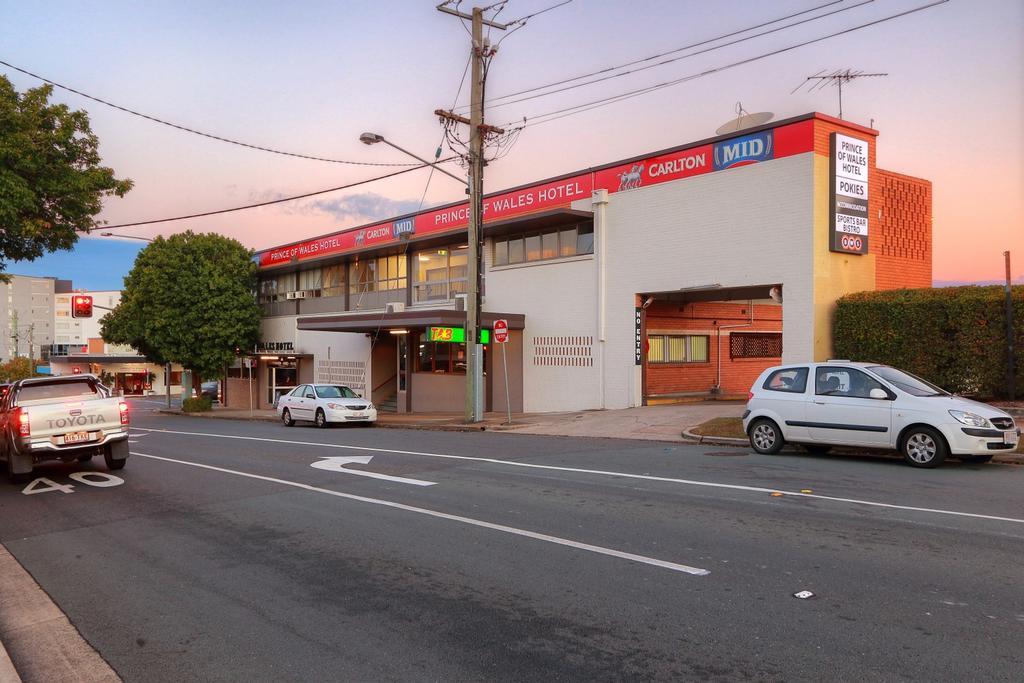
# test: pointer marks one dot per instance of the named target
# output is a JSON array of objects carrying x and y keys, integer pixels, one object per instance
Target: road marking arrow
[{"x": 338, "y": 464}]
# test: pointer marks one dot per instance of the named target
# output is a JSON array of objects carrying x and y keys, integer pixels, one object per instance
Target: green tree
[
  {"x": 51, "y": 182},
  {"x": 17, "y": 368},
  {"x": 188, "y": 299}
]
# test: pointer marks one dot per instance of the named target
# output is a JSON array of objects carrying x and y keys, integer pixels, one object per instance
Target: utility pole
[
  {"x": 1011, "y": 371},
  {"x": 477, "y": 133}
]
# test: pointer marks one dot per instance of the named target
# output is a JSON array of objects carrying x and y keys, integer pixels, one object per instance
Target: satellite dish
[{"x": 744, "y": 121}]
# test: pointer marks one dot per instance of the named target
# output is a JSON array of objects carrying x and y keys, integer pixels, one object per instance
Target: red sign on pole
[{"x": 500, "y": 331}]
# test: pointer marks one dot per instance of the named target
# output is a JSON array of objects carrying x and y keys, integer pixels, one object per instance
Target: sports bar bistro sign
[
  {"x": 849, "y": 194},
  {"x": 787, "y": 140}
]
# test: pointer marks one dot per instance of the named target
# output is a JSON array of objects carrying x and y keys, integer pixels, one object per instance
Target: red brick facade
[
  {"x": 902, "y": 244},
  {"x": 713, "y": 320}
]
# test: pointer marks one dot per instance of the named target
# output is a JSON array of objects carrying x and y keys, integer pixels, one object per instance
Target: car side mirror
[{"x": 879, "y": 394}]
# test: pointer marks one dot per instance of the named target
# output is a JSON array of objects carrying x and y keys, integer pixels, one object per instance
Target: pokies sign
[
  {"x": 849, "y": 194},
  {"x": 787, "y": 140}
]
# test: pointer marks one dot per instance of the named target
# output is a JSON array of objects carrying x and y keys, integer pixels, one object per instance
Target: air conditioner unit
[
  {"x": 461, "y": 302},
  {"x": 291, "y": 295},
  {"x": 394, "y": 307}
]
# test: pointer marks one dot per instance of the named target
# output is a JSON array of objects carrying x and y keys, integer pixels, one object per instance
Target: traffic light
[{"x": 81, "y": 306}]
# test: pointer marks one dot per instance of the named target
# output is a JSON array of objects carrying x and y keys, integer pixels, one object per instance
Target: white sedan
[
  {"x": 323, "y": 404},
  {"x": 839, "y": 403}
]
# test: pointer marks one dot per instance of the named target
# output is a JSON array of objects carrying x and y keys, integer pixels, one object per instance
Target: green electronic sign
[{"x": 454, "y": 335}]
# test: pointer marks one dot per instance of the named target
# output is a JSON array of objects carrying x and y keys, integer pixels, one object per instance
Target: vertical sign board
[
  {"x": 639, "y": 352},
  {"x": 848, "y": 188}
]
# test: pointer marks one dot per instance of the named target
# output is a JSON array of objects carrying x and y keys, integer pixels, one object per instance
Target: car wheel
[
  {"x": 286, "y": 418},
  {"x": 320, "y": 419},
  {"x": 816, "y": 449},
  {"x": 976, "y": 459},
  {"x": 923, "y": 447},
  {"x": 766, "y": 437},
  {"x": 111, "y": 462},
  {"x": 19, "y": 478}
]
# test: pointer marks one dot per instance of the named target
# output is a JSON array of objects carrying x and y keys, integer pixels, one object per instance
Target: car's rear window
[
  {"x": 791, "y": 380},
  {"x": 80, "y": 389}
]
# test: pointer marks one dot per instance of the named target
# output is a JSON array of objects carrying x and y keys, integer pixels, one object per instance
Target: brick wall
[
  {"x": 705, "y": 319},
  {"x": 901, "y": 214},
  {"x": 902, "y": 242}
]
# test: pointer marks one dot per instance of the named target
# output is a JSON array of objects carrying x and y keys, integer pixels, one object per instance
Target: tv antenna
[{"x": 836, "y": 78}]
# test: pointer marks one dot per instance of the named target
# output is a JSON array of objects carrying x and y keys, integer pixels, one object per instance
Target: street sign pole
[
  {"x": 504, "y": 362},
  {"x": 501, "y": 337}
]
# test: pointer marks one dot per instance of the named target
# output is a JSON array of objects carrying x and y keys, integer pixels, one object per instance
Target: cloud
[
  {"x": 354, "y": 208},
  {"x": 365, "y": 206}
]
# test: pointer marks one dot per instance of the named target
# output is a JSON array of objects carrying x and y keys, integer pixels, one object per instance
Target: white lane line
[
  {"x": 686, "y": 569},
  {"x": 606, "y": 473}
]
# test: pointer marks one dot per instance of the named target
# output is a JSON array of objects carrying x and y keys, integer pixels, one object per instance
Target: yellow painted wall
[{"x": 835, "y": 274}]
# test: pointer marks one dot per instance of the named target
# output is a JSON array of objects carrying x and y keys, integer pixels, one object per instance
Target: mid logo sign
[{"x": 849, "y": 192}]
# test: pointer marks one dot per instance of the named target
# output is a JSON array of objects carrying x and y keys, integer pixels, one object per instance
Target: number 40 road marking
[{"x": 98, "y": 479}]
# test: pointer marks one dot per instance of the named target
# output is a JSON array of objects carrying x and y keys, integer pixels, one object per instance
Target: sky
[{"x": 309, "y": 77}]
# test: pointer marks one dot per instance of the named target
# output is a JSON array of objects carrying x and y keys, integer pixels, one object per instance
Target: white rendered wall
[{"x": 750, "y": 225}]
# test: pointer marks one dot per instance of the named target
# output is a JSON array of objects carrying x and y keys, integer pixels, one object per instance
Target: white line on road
[
  {"x": 606, "y": 473},
  {"x": 686, "y": 569}
]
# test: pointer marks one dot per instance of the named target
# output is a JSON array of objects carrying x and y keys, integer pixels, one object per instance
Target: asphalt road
[{"x": 225, "y": 556}]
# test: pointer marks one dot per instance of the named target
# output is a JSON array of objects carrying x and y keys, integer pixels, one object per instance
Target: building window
[
  {"x": 687, "y": 348},
  {"x": 560, "y": 242},
  {"x": 755, "y": 345},
  {"x": 377, "y": 274},
  {"x": 310, "y": 281},
  {"x": 441, "y": 357},
  {"x": 440, "y": 274},
  {"x": 277, "y": 287},
  {"x": 333, "y": 280}
]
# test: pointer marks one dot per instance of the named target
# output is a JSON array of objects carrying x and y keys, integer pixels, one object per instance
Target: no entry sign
[{"x": 500, "y": 331}]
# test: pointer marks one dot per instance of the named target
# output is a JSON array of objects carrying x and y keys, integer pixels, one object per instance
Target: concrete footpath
[
  {"x": 657, "y": 423},
  {"x": 41, "y": 644},
  {"x": 654, "y": 423}
]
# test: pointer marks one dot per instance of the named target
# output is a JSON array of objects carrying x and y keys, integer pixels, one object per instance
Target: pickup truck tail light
[
  {"x": 21, "y": 420},
  {"x": 123, "y": 407}
]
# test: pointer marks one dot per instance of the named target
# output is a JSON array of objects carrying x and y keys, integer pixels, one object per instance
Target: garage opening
[{"x": 708, "y": 342}]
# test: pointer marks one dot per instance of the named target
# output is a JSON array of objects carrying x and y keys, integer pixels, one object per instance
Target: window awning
[
  {"x": 372, "y": 322},
  {"x": 537, "y": 221},
  {"x": 97, "y": 358}
]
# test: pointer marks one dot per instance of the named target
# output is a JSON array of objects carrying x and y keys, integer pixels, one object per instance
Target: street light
[
  {"x": 374, "y": 138},
  {"x": 131, "y": 237},
  {"x": 474, "y": 364}
]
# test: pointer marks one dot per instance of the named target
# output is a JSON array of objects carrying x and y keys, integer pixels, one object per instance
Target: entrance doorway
[
  {"x": 131, "y": 383},
  {"x": 707, "y": 342},
  {"x": 282, "y": 377}
]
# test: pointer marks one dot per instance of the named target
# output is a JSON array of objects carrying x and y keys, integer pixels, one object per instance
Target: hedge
[
  {"x": 954, "y": 336},
  {"x": 199, "y": 404}
]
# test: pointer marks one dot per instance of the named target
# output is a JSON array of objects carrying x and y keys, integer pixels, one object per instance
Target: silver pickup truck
[{"x": 61, "y": 418}]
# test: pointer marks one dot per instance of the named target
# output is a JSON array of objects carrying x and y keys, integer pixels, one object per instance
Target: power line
[
  {"x": 197, "y": 132},
  {"x": 519, "y": 23},
  {"x": 274, "y": 201},
  {"x": 523, "y": 20},
  {"x": 586, "y": 106},
  {"x": 664, "y": 54},
  {"x": 681, "y": 57}
]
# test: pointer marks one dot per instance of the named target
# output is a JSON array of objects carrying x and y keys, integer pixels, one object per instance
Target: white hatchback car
[
  {"x": 840, "y": 403},
  {"x": 323, "y": 404}
]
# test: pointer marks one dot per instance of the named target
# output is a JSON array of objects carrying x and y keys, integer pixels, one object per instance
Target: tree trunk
[{"x": 197, "y": 384}]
